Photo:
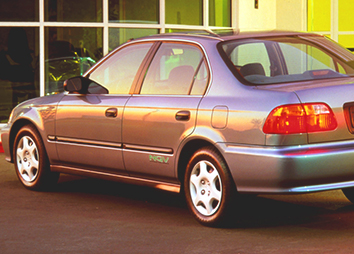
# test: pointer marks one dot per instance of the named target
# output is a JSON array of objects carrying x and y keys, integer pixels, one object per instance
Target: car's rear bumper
[{"x": 294, "y": 169}]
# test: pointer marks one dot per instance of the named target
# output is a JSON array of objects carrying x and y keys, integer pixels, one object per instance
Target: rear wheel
[
  {"x": 31, "y": 161},
  {"x": 209, "y": 188}
]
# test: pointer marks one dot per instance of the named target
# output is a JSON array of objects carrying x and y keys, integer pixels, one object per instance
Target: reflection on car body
[{"x": 219, "y": 116}]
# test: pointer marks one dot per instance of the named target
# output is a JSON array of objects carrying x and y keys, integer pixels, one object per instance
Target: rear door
[
  {"x": 164, "y": 111},
  {"x": 89, "y": 127}
]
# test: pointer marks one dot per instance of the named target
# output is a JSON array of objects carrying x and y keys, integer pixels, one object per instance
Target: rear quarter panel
[{"x": 233, "y": 112}]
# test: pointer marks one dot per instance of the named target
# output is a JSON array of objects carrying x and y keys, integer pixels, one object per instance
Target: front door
[
  {"x": 88, "y": 131},
  {"x": 89, "y": 127}
]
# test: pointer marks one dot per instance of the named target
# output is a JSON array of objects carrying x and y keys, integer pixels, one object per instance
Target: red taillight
[{"x": 300, "y": 118}]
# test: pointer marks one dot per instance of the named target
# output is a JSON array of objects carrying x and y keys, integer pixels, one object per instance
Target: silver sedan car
[{"x": 211, "y": 116}]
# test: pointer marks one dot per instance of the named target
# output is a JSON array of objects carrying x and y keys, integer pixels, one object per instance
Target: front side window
[
  {"x": 177, "y": 69},
  {"x": 117, "y": 73},
  {"x": 287, "y": 59}
]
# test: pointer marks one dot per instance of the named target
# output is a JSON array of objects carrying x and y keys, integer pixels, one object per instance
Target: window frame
[
  {"x": 148, "y": 62},
  {"x": 139, "y": 69}
]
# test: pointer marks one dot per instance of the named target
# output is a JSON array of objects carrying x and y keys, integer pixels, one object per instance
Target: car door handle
[
  {"x": 183, "y": 115},
  {"x": 111, "y": 112}
]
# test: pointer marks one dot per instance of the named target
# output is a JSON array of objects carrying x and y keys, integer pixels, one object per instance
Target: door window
[
  {"x": 177, "y": 69},
  {"x": 118, "y": 72}
]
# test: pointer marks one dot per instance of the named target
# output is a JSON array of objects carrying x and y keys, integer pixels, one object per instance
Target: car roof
[{"x": 224, "y": 35}]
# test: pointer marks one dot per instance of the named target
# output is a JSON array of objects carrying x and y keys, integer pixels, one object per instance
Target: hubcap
[
  {"x": 205, "y": 188},
  {"x": 27, "y": 159}
]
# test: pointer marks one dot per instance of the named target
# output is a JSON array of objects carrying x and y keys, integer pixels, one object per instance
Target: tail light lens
[{"x": 300, "y": 118}]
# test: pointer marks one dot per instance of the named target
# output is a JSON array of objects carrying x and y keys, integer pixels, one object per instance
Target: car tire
[
  {"x": 209, "y": 188},
  {"x": 31, "y": 161},
  {"x": 349, "y": 194}
]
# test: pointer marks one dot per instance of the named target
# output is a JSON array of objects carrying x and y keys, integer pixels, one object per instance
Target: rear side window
[
  {"x": 117, "y": 73},
  {"x": 177, "y": 69}
]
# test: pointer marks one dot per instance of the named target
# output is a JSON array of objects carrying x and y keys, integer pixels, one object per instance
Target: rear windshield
[{"x": 288, "y": 59}]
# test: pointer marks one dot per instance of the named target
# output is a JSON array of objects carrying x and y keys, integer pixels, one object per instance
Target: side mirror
[
  {"x": 75, "y": 85},
  {"x": 82, "y": 85}
]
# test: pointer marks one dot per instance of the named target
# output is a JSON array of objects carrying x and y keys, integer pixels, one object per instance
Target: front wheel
[
  {"x": 31, "y": 161},
  {"x": 209, "y": 188}
]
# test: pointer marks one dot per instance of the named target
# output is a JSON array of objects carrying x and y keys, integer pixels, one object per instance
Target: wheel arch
[
  {"x": 16, "y": 126},
  {"x": 187, "y": 152}
]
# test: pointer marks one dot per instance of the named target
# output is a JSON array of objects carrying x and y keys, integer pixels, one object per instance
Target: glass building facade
[
  {"x": 44, "y": 42},
  {"x": 332, "y": 18}
]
